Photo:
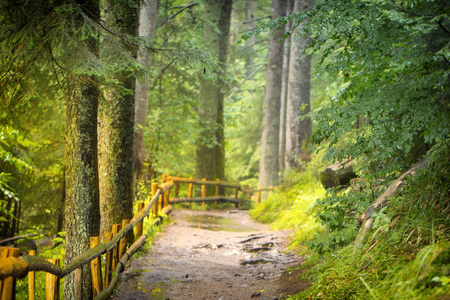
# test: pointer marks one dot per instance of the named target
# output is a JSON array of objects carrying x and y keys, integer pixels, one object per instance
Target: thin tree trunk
[
  {"x": 147, "y": 29},
  {"x": 59, "y": 226},
  {"x": 284, "y": 89},
  {"x": 116, "y": 125},
  {"x": 298, "y": 129},
  {"x": 250, "y": 15},
  {"x": 268, "y": 166},
  {"x": 224, "y": 29},
  {"x": 82, "y": 215},
  {"x": 210, "y": 152}
]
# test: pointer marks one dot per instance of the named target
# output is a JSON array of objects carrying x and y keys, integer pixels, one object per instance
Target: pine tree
[
  {"x": 269, "y": 167},
  {"x": 210, "y": 153},
  {"x": 298, "y": 128},
  {"x": 117, "y": 114}
]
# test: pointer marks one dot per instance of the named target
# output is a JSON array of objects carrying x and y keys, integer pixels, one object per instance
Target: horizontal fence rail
[{"x": 12, "y": 266}]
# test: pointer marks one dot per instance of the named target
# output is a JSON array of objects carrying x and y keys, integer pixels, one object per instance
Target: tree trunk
[
  {"x": 284, "y": 89},
  {"x": 268, "y": 165},
  {"x": 210, "y": 152},
  {"x": 59, "y": 226},
  {"x": 147, "y": 29},
  {"x": 249, "y": 16},
  {"x": 82, "y": 215},
  {"x": 298, "y": 129},
  {"x": 116, "y": 125}
]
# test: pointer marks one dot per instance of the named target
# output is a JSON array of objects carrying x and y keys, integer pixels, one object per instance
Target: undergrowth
[
  {"x": 291, "y": 205},
  {"x": 405, "y": 256}
]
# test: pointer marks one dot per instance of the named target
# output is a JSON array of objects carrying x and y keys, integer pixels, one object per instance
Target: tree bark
[
  {"x": 210, "y": 152},
  {"x": 337, "y": 174},
  {"x": 147, "y": 29},
  {"x": 268, "y": 165},
  {"x": 250, "y": 15},
  {"x": 116, "y": 124},
  {"x": 284, "y": 89},
  {"x": 82, "y": 214},
  {"x": 298, "y": 129}
]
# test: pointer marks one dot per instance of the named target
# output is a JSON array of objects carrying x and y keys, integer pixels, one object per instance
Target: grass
[{"x": 405, "y": 256}]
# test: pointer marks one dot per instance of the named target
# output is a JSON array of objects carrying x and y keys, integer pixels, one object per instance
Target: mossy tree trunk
[
  {"x": 268, "y": 164},
  {"x": 210, "y": 152},
  {"x": 117, "y": 114},
  {"x": 147, "y": 29},
  {"x": 82, "y": 214},
  {"x": 298, "y": 128}
]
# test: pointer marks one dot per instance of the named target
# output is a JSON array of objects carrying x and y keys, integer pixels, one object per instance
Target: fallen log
[
  {"x": 14, "y": 238},
  {"x": 337, "y": 174},
  {"x": 366, "y": 220}
]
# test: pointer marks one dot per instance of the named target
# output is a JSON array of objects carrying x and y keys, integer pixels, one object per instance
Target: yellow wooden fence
[{"x": 114, "y": 246}]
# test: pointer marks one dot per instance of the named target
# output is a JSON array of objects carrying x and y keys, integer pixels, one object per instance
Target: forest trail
[{"x": 212, "y": 255}]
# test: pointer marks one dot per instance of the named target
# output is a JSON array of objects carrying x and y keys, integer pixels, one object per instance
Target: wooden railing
[{"x": 114, "y": 247}]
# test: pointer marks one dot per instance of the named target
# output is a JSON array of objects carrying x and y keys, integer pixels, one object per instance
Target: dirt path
[{"x": 188, "y": 261}]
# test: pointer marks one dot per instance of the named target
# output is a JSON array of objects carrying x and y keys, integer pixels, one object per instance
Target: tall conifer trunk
[
  {"x": 116, "y": 124},
  {"x": 82, "y": 215},
  {"x": 284, "y": 90},
  {"x": 250, "y": 9},
  {"x": 298, "y": 130},
  {"x": 268, "y": 165},
  {"x": 210, "y": 158},
  {"x": 147, "y": 29}
]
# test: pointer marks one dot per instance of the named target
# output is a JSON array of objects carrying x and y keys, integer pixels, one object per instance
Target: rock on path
[{"x": 192, "y": 263}]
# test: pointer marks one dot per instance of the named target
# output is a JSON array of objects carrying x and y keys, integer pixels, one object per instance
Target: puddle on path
[{"x": 215, "y": 223}]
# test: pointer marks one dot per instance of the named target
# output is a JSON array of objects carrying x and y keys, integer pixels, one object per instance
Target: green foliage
[
  {"x": 406, "y": 256},
  {"x": 292, "y": 204},
  {"x": 393, "y": 57},
  {"x": 338, "y": 213}
]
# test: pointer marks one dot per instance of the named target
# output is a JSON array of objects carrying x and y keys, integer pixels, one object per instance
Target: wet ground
[{"x": 211, "y": 255}]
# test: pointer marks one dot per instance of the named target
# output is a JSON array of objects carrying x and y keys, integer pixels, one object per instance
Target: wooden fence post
[
  {"x": 258, "y": 199},
  {"x": 177, "y": 187},
  {"x": 115, "y": 257},
  {"x": 31, "y": 280},
  {"x": 203, "y": 191},
  {"x": 167, "y": 197},
  {"x": 140, "y": 225},
  {"x": 161, "y": 196},
  {"x": 78, "y": 283},
  {"x": 161, "y": 201},
  {"x": 155, "y": 206},
  {"x": 109, "y": 259},
  {"x": 96, "y": 268},
  {"x": 190, "y": 190},
  {"x": 8, "y": 285},
  {"x": 217, "y": 188},
  {"x": 270, "y": 192},
  {"x": 52, "y": 282},
  {"x": 123, "y": 241}
]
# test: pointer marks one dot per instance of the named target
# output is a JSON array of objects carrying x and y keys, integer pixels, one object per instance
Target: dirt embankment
[{"x": 197, "y": 258}]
